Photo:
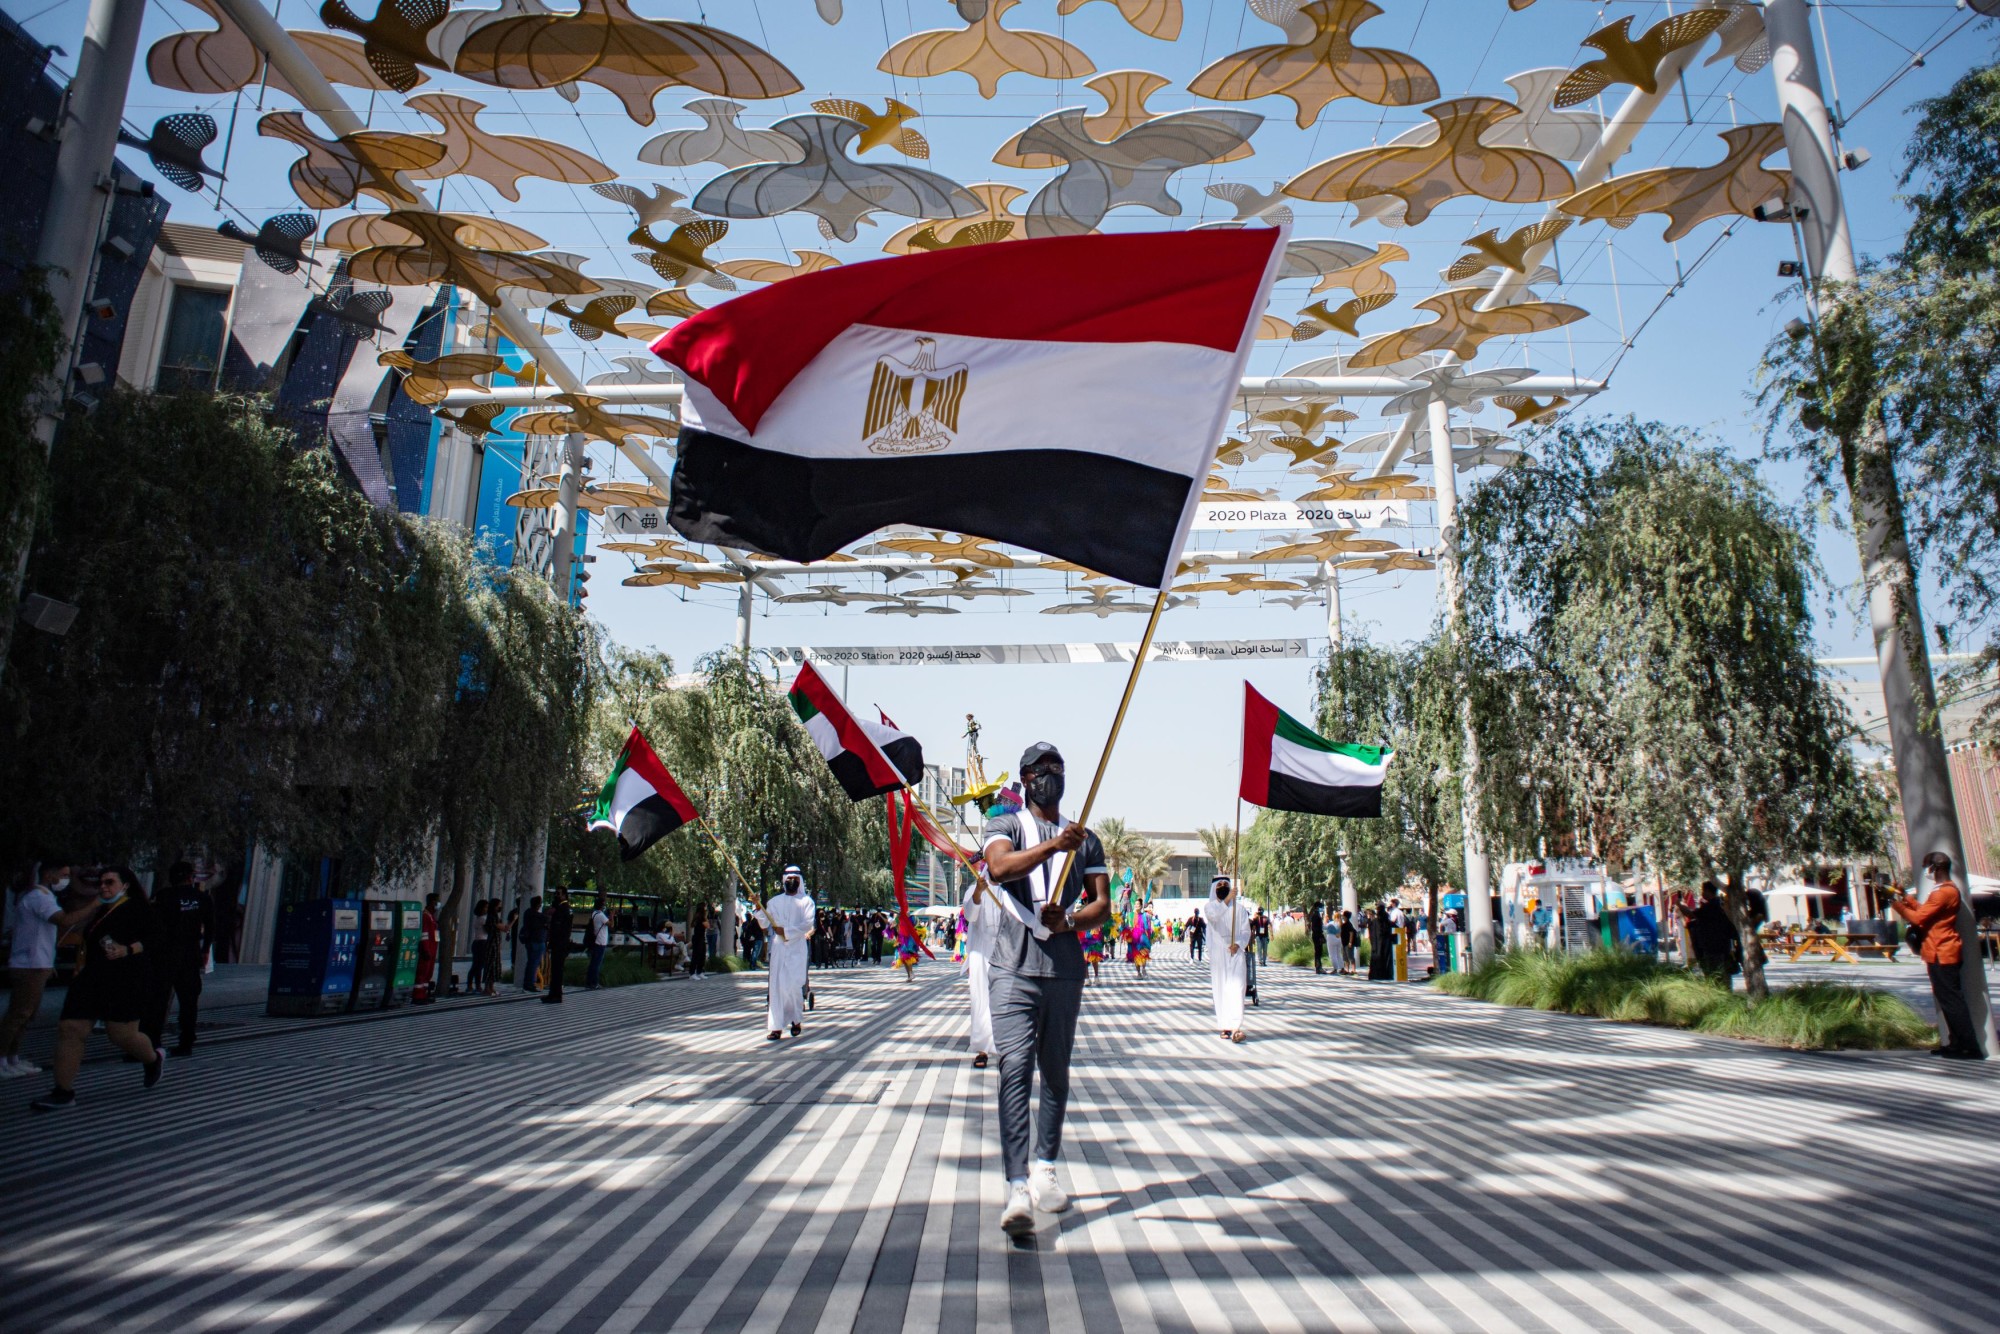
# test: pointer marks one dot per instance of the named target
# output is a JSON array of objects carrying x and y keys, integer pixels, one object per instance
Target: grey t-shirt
[{"x": 1015, "y": 949}]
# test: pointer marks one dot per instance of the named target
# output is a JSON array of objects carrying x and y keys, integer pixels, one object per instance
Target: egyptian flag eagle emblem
[{"x": 913, "y": 405}]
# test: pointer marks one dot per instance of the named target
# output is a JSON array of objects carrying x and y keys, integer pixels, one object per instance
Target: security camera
[
  {"x": 117, "y": 247},
  {"x": 1789, "y": 268},
  {"x": 102, "y": 308},
  {"x": 91, "y": 373},
  {"x": 1854, "y": 159},
  {"x": 1796, "y": 328}
]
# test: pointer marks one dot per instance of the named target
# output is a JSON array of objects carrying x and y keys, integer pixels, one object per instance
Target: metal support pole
[
  {"x": 1895, "y": 615},
  {"x": 1478, "y": 870},
  {"x": 562, "y": 572},
  {"x": 1332, "y": 573},
  {"x": 79, "y": 195},
  {"x": 744, "y": 605}
]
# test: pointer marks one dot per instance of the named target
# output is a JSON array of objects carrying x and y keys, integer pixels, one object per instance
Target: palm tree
[
  {"x": 1120, "y": 843},
  {"x": 1149, "y": 863},
  {"x": 1219, "y": 842}
]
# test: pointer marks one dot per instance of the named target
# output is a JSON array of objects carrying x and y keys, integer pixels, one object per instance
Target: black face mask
[{"x": 1045, "y": 789}]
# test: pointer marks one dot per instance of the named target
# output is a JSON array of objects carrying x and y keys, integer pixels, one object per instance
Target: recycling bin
[
  {"x": 409, "y": 933},
  {"x": 1635, "y": 930},
  {"x": 312, "y": 968},
  {"x": 375, "y": 956}
]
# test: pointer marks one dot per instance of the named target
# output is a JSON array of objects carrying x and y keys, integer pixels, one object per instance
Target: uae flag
[
  {"x": 641, "y": 802},
  {"x": 1063, "y": 394},
  {"x": 869, "y": 759},
  {"x": 1289, "y": 767}
]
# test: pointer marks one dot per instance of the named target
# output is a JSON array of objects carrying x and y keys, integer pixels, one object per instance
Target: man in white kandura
[
  {"x": 1228, "y": 922},
  {"x": 979, "y": 911},
  {"x": 789, "y": 918}
]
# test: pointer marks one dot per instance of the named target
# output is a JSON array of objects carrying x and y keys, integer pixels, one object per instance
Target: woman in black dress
[
  {"x": 1381, "y": 945},
  {"x": 112, "y": 982}
]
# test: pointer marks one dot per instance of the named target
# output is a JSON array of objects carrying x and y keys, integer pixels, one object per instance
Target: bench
[{"x": 1880, "y": 950}]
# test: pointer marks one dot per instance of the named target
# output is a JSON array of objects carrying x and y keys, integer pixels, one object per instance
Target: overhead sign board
[
  {"x": 1004, "y": 655},
  {"x": 1223, "y": 515}
]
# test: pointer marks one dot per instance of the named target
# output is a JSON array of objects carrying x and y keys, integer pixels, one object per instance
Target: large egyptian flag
[
  {"x": 1289, "y": 767},
  {"x": 869, "y": 759},
  {"x": 1063, "y": 394},
  {"x": 641, "y": 802}
]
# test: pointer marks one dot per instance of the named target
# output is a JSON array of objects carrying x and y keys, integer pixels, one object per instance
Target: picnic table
[{"x": 1843, "y": 946}]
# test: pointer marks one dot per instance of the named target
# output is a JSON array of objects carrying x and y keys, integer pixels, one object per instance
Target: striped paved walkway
[{"x": 1375, "y": 1158}]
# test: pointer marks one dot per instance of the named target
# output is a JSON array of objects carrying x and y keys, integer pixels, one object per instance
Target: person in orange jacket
[{"x": 1943, "y": 950}]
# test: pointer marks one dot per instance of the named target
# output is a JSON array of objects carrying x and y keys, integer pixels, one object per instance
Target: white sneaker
[
  {"x": 1018, "y": 1219},
  {"x": 1048, "y": 1193}
]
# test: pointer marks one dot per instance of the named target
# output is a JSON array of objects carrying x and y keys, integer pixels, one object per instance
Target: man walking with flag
[
  {"x": 1038, "y": 972},
  {"x": 789, "y": 917}
]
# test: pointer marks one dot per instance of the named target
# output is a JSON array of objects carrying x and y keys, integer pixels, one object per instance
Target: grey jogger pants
[{"x": 1034, "y": 1027}]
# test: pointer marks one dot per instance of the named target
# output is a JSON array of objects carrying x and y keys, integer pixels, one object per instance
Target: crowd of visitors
[{"x": 127, "y": 957}]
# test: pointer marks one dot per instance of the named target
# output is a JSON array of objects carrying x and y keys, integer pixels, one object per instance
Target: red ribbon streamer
[{"x": 900, "y": 839}]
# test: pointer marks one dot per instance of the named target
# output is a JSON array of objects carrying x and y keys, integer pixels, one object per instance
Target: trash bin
[
  {"x": 312, "y": 968},
  {"x": 374, "y": 956},
  {"x": 1635, "y": 930},
  {"x": 409, "y": 935}
]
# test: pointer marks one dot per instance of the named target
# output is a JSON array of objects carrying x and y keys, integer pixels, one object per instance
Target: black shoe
[
  {"x": 56, "y": 1100},
  {"x": 773, "y": 1036},
  {"x": 157, "y": 1068},
  {"x": 552, "y": 1000},
  {"x": 1962, "y": 1054},
  {"x": 182, "y": 1053},
  {"x": 798, "y": 1029}
]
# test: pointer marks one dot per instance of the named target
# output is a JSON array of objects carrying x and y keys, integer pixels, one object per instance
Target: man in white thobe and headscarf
[
  {"x": 788, "y": 916},
  {"x": 979, "y": 925},
  {"x": 1228, "y": 923}
]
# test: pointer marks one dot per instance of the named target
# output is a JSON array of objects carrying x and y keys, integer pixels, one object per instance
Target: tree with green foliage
[
  {"x": 1120, "y": 843},
  {"x": 30, "y": 350},
  {"x": 1404, "y": 698},
  {"x": 1650, "y": 598},
  {"x": 257, "y": 650},
  {"x": 260, "y": 653},
  {"x": 731, "y": 741},
  {"x": 509, "y": 757},
  {"x": 1897, "y": 385},
  {"x": 1221, "y": 844}
]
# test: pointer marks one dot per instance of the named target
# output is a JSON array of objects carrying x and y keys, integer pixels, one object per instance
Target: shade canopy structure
[{"x": 581, "y": 181}]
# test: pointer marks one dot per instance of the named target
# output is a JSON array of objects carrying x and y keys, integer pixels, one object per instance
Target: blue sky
[{"x": 1176, "y": 765}]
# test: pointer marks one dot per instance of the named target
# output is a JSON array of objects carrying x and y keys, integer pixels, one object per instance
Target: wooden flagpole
[
  {"x": 1236, "y": 868},
  {"x": 1117, "y": 721},
  {"x": 741, "y": 879}
]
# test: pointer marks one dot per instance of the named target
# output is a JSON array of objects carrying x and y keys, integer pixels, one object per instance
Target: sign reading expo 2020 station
[{"x": 1009, "y": 655}]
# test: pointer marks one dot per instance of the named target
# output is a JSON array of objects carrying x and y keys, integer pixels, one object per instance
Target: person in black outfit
[
  {"x": 1381, "y": 945},
  {"x": 698, "y": 940},
  {"x": 1712, "y": 935},
  {"x": 111, "y": 986},
  {"x": 559, "y": 928},
  {"x": 1316, "y": 928},
  {"x": 1197, "y": 936},
  {"x": 1350, "y": 941},
  {"x": 184, "y": 918}
]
